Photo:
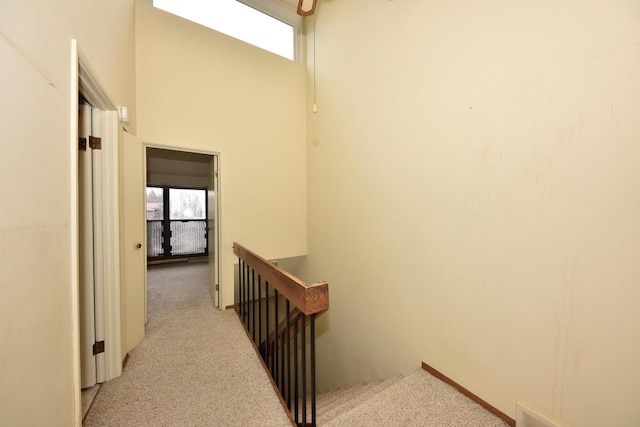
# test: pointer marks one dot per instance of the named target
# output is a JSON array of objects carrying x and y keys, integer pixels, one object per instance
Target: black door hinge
[
  {"x": 95, "y": 142},
  {"x": 98, "y": 347},
  {"x": 82, "y": 144}
]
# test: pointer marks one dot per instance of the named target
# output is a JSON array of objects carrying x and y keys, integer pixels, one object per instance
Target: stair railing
[{"x": 276, "y": 309}]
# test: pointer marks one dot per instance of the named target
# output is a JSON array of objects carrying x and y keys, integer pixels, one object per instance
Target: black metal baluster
[
  {"x": 275, "y": 353},
  {"x": 287, "y": 394},
  {"x": 312, "y": 338},
  {"x": 240, "y": 285},
  {"x": 253, "y": 303},
  {"x": 244, "y": 268},
  {"x": 244, "y": 293},
  {"x": 295, "y": 366},
  {"x": 266, "y": 356},
  {"x": 260, "y": 316},
  {"x": 303, "y": 357},
  {"x": 246, "y": 298},
  {"x": 249, "y": 274},
  {"x": 281, "y": 369}
]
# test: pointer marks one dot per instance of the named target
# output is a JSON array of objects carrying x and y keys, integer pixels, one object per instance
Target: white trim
[
  {"x": 73, "y": 229},
  {"x": 90, "y": 87},
  {"x": 217, "y": 231},
  {"x": 144, "y": 233},
  {"x": 98, "y": 229}
]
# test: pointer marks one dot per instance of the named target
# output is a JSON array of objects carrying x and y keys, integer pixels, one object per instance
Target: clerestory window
[{"x": 261, "y": 23}]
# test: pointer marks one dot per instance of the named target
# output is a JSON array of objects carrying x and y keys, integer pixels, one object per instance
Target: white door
[
  {"x": 213, "y": 231},
  {"x": 85, "y": 262},
  {"x": 91, "y": 248},
  {"x": 133, "y": 244},
  {"x": 98, "y": 242}
]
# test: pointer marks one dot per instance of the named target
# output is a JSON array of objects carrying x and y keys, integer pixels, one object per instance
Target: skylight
[{"x": 240, "y": 21}]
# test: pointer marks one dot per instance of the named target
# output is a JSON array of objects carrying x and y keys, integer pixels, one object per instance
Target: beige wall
[
  {"x": 474, "y": 199},
  {"x": 37, "y": 384},
  {"x": 201, "y": 90}
]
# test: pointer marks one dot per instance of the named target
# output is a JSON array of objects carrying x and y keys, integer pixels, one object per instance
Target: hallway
[{"x": 194, "y": 367}]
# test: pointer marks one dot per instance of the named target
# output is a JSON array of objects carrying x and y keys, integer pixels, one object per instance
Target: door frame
[
  {"x": 215, "y": 297},
  {"x": 214, "y": 271},
  {"x": 84, "y": 80}
]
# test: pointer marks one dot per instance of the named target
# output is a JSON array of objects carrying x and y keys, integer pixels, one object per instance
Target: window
[
  {"x": 155, "y": 203},
  {"x": 265, "y": 25},
  {"x": 187, "y": 204},
  {"x": 176, "y": 222}
]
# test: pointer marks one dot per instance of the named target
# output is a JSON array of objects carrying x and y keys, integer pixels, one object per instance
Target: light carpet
[
  {"x": 417, "y": 400},
  {"x": 195, "y": 367}
]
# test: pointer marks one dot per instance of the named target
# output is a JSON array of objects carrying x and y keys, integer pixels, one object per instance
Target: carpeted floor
[
  {"x": 195, "y": 366},
  {"x": 417, "y": 400}
]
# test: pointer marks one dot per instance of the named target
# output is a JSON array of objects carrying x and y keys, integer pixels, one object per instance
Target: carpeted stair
[
  {"x": 418, "y": 399},
  {"x": 333, "y": 404}
]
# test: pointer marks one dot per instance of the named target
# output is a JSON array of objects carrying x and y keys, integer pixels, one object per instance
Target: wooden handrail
[{"x": 308, "y": 298}]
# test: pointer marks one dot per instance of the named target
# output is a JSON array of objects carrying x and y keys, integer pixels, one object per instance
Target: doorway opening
[{"x": 182, "y": 210}]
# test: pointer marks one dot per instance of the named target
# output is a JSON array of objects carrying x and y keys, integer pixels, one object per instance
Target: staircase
[
  {"x": 418, "y": 399},
  {"x": 284, "y": 309}
]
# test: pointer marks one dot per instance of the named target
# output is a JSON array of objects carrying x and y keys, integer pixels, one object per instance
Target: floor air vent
[{"x": 527, "y": 417}]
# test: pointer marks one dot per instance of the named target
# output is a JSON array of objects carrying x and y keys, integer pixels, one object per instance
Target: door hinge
[
  {"x": 215, "y": 174},
  {"x": 98, "y": 347},
  {"x": 95, "y": 142},
  {"x": 217, "y": 287},
  {"x": 82, "y": 144}
]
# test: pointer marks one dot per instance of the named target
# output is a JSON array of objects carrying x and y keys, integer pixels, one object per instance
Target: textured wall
[
  {"x": 474, "y": 198},
  {"x": 38, "y": 376}
]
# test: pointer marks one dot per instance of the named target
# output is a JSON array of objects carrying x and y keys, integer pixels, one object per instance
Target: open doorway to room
[{"x": 182, "y": 214}]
